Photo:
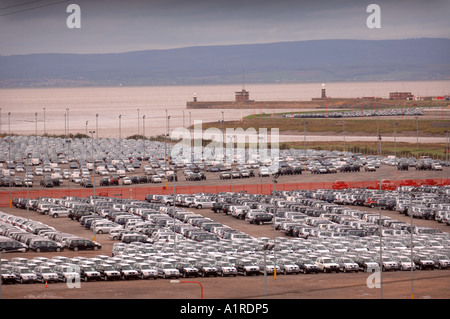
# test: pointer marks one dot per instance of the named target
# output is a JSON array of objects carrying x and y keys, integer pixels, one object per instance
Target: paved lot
[{"x": 427, "y": 284}]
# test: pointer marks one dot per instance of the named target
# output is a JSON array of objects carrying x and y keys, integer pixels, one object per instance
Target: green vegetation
[{"x": 368, "y": 126}]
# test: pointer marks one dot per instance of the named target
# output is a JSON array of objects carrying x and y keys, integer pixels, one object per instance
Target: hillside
[{"x": 303, "y": 61}]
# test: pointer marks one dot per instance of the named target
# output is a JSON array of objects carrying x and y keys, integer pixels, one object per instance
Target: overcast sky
[{"x": 121, "y": 26}]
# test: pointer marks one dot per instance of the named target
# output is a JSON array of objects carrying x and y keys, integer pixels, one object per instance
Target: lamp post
[
  {"x": 68, "y": 130},
  {"x": 138, "y": 124},
  {"x": 96, "y": 125},
  {"x": 267, "y": 247},
  {"x": 120, "y": 127},
  {"x": 275, "y": 177},
  {"x": 143, "y": 134},
  {"x": 93, "y": 168},
  {"x": 86, "y": 128},
  {"x": 35, "y": 123},
  {"x": 395, "y": 149},
  {"x": 343, "y": 130},
  {"x": 417, "y": 134},
  {"x": 412, "y": 246},
  {"x": 45, "y": 129}
]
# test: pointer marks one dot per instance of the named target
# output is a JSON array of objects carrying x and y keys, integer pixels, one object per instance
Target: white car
[
  {"x": 126, "y": 181},
  {"x": 105, "y": 227},
  {"x": 326, "y": 264}
]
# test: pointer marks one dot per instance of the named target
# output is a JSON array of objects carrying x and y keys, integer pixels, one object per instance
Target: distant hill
[{"x": 284, "y": 62}]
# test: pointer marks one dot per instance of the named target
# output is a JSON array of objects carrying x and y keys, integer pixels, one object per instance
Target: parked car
[
  {"x": 88, "y": 273},
  {"x": 126, "y": 271},
  {"x": 82, "y": 244},
  {"x": 307, "y": 266},
  {"x": 145, "y": 271},
  {"x": 225, "y": 268},
  {"x": 24, "y": 275},
  {"x": 40, "y": 245},
  {"x": 107, "y": 272},
  {"x": 45, "y": 274},
  {"x": 326, "y": 264}
]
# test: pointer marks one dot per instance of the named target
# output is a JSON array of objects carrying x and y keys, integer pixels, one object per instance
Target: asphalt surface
[{"x": 396, "y": 285}]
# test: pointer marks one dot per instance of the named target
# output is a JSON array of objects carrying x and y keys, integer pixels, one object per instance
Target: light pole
[
  {"x": 190, "y": 120},
  {"x": 275, "y": 177},
  {"x": 395, "y": 149},
  {"x": 343, "y": 130},
  {"x": 143, "y": 134},
  {"x": 417, "y": 135},
  {"x": 96, "y": 125},
  {"x": 120, "y": 127},
  {"x": 267, "y": 247},
  {"x": 45, "y": 129},
  {"x": 86, "y": 128},
  {"x": 412, "y": 246},
  {"x": 138, "y": 124},
  {"x": 68, "y": 130},
  {"x": 35, "y": 123},
  {"x": 93, "y": 167}
]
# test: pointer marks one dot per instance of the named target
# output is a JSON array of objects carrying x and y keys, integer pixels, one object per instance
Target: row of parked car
[
  {"x": 411, "y": 111},
  {"x": 18, "y": 234},
  {"x": 424, "y": 202}
]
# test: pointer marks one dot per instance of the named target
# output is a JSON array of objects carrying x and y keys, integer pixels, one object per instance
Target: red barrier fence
[{"x": 139, "y": 191}]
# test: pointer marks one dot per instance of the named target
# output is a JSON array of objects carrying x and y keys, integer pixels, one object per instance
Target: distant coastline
[{"x": 335, "y": 103}]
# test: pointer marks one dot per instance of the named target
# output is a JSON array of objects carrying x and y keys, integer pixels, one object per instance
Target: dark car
[
  {"x": 187, "y": 270},
  {"x": 206, "y": 269},
  {"x": 260, "y": 218},
  {"x": 105, "y": 181},
  {"x": 107, "y": 272},
  {"x": 10, "y": 245},
  {"x": 88, "y": 273},
  {"x": 39, "y": 245},
  {"x": 126, "y": 271},
  {"x": 82, "y": 244},
  {"x": 7, "y": 276},
  {"x": 307, "y": 266},
  {"x": 423, "y": 262},
  {"x": 46, "y": 182}
]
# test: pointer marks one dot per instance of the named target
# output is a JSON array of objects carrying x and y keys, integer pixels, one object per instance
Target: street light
[
  {"x": 138, "y": 124},
  {"x": 96, "y": 125},
  {"x": 304, "y": 134},
  {"x": 68, "y": 130},
  {"x": 343, "y": 130},
  {"x": 93, "y": 168},
  {"x": 265, "y": 248},
  {"x": 411, "y": 244},
  {"x": 45, "y": 130},
  {"x": 143, "y": 134},
  {"x": 395, "y": 148},
  {"x": 120, "y": 127}
]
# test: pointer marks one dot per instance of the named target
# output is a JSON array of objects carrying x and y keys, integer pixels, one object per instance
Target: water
[{"x": 134, "y": 102}]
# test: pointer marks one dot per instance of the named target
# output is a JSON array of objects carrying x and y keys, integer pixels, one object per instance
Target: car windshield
[
  {"x": 327, "y": 261},
  {"x": 108, "y": 268},
  {"x": 45, "y": 270},
  {"x": 126, "y": 267},
  {"x": 88, "y": 268}
]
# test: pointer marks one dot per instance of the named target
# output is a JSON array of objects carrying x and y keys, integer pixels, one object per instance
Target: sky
[{"x": 114, "y": 26}]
